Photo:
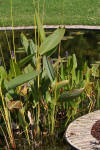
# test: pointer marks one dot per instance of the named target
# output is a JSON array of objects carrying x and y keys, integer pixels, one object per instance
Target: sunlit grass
[{"x": 54, "y": 12}]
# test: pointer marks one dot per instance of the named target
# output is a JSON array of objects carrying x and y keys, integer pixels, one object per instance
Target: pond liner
[{"x": 74, "y": 27}]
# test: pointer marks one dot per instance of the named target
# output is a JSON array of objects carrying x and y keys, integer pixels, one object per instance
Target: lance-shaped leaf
[
  {"x": 25, "y": 60},
  {"x": 48, "y": 68},
  {"x": 21, "y": 79},
  {"x": 51, "y": 41},
  {"x": 69, "y": 95}
]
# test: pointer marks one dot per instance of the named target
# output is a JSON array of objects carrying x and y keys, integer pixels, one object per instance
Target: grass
[{"x": 70, "y": 12}]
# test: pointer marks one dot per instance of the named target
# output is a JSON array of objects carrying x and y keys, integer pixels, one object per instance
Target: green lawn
[{"x": 84, "y": 12}]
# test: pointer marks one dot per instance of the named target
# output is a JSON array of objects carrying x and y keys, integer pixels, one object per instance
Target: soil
[{"x": 95, "y": 131}]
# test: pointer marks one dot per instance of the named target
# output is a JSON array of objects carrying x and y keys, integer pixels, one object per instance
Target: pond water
[
  {"x": 85, "y": 44},
  {"x": 41, "y": 144}
]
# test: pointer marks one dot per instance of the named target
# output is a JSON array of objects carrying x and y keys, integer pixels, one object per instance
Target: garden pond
[{"x": 85, "y": 44}]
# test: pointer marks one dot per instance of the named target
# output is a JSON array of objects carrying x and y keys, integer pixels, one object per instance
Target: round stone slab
[{"x": 78, "y": 133}]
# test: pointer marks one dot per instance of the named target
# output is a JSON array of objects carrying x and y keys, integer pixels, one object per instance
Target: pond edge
[{"x": 77, "y": 27}]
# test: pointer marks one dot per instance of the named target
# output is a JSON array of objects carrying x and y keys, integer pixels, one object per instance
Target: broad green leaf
[
  {"x": 40, "y": 27},
  {"x": 25, "y": 60},
  {"x": 21, "y": 79},
  {"x": 25, "y": 43},
  {"x": 48, "y": 67},
  {"x": 51, "y": 41},
  {"x": 69, "y": 95}
]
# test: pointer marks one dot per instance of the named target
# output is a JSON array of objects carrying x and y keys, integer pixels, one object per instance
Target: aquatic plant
[{"x": 45, "y": 90}]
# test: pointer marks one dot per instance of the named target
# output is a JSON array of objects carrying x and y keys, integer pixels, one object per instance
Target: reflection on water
[
  {"x": 83, "y": 43},
  {"x": 41, "y": 144}
]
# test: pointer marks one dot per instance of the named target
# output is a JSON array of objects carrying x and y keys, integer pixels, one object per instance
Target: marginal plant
[{"x": 48, "y": 90}]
